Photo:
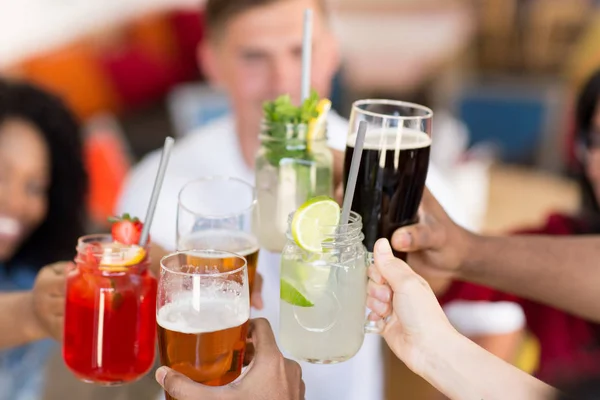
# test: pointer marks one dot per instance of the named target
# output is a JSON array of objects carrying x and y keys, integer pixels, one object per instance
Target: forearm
[
  {"x": 462, "y": 370},
  {"x": 18, "y": 319},
  {"x": 563, "y": 272}
]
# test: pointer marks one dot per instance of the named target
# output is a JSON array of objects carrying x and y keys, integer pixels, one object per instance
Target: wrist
[
  {"x": 438, "y": 356},
  {"x": 474, "y": 246},
  {"x": 431, "y": 351},
  {"x": 32, "y": 327}
]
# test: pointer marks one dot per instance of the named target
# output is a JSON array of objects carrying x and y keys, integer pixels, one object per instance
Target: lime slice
[
  {"x": 290, "y": 294},
  {"x": 117, "y": 257},
  {"x": 310, "y": 219}
]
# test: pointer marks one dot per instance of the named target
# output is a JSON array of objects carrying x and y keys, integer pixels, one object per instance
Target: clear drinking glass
[
  {"x": 219, "y": 213},
  {"x": 394, "y": 165},
  {"x": 290, "y": 169},
  {"x": 324, "y": 296},
  {"x": 203, "y": 308}
]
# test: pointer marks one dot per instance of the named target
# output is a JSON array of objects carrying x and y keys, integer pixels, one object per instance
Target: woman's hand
[
  {"x": 405, "y": 307},
  {"x": 48, "y": 299}
]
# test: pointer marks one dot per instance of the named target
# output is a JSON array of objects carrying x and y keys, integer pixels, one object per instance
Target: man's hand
[
  {"x": 437, "y": 247},
  {"x": 48, "y": 298},
  {"x": 269, "y": 376}
]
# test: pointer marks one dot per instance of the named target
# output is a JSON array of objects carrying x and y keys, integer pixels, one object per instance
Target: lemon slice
[
  {"x": 310, "y": 220},
  {"x": 313, "y": 127},
  {"x": 117, "y": 257},
  {"x": 291, "y": 295}
]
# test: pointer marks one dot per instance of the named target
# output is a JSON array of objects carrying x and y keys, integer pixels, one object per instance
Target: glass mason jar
[
  {"x": 110, "y": 314},
  {"x": 324, "y": 296},
  {"x": 293, "y": 165}
]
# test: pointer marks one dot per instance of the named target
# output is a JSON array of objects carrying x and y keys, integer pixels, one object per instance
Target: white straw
[
  {"x": 160, "y": 176},
  {"x": 307, "y": 53},
  {"x": 353, "y": 174}
]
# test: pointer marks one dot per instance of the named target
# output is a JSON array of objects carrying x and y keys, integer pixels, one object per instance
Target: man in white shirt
[{"x": 253, "y": 52}]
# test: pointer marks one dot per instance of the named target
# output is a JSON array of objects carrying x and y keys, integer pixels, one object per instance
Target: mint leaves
[
  {"x": 282, "y": 111},
  {"x": 286, "y": 127}
]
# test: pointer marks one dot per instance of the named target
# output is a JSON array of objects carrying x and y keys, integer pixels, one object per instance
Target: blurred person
[
  {"x": 269, "y": 376},
  {"x": 42, "y": 200},
  {"x": 253, "y": 52}
]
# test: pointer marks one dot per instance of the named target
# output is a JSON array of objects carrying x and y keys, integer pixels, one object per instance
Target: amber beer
[
  {"x": 239, "y": 242},
  {"x": 206, "y": 345},
  {"x": 203, "y": 308},
  {"x": 391, "y": 180}
]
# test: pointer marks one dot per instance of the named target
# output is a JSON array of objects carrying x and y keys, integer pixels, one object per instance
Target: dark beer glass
[{"x": 394, "y": 164}]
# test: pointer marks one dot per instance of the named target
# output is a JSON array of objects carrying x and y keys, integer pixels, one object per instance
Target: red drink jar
[{"x": 110, "y": 315}]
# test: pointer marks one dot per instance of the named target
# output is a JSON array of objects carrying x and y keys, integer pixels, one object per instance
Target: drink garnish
[
  {"x": 116, "y": 257},
  {"x": 124, "y": 251},
  {"x": 126, "y": 229},
  {"x": 281, "y": 119},
  {"x": 290, "y": 294},
  {"x": 311, "y": 219}
]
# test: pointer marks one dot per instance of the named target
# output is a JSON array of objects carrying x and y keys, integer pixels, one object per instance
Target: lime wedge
[
  {"x": 310, "y": 219},
  {"x": 290, "y": 294}
]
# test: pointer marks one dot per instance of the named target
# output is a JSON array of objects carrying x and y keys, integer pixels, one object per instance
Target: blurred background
[{"x": 502, "y": 75}]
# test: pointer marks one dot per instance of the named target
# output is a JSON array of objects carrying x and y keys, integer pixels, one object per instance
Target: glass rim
[
  {"x": 353, "y": 219},
  {"x": 86, "y": 240},
  {"x": 357, "y": 104},
  {"x": 221, "y": 178},
  {"x": 210, "y": 274}
]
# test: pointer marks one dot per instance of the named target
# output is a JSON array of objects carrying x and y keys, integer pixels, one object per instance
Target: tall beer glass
[
  {"x": 394, "y": 164},
  {"x": 203, "y": 308},
  {"x": 219, "y": 213}
]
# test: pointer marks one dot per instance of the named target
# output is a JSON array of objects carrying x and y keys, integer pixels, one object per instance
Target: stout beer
[{"x": 391, "y": 180}]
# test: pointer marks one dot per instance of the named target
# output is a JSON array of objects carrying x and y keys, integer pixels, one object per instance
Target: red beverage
[{"x": 110, "y": 316}]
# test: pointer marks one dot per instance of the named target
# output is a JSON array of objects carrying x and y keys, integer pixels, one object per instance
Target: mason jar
[
  {"x": 110, "y": 313},
  {"x": 324, "y": 296},
  {"x": 293, "y": 165}
]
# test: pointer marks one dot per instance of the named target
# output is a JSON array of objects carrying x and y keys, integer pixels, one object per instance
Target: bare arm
[
  {"x": 416, "y": 329},
  {"x": 462, "y": 370},
  {"x": 559, "y": 271}
]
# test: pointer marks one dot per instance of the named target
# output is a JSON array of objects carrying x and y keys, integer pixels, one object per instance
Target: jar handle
[{"x": 371, "y": 326}]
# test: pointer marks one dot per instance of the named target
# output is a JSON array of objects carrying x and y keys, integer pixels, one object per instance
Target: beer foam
[
  {"x": 391, "y": 139},
  {"x": 211, "y": 313},
  {"x": 238, "y": 242}
]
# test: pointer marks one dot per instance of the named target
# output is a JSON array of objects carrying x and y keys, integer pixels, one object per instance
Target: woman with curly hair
[{"x": 42, "y": 213}]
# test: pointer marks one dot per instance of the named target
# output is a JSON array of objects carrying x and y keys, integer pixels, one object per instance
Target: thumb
[
  {"x": 181, "y": 387},
  {"x": 392, "y": 269}
]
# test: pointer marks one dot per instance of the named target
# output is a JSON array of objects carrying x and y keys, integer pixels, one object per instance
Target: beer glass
[
  {"x": 394, "y": 164},
  {"x": 219, "y": 213},
  {"x": 203, "y": 307},
  {"x": 324, "y": 296},
  {"x": 110, "y": 326}
]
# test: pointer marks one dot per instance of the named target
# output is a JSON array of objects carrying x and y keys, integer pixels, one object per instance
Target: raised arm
[{"x": 559, "y": 271}]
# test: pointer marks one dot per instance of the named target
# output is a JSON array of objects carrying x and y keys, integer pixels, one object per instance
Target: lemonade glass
[{"x": 324, "y": 295}]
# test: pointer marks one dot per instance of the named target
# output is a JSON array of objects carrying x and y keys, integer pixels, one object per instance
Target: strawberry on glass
[{"x": 110, "y": 316}]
